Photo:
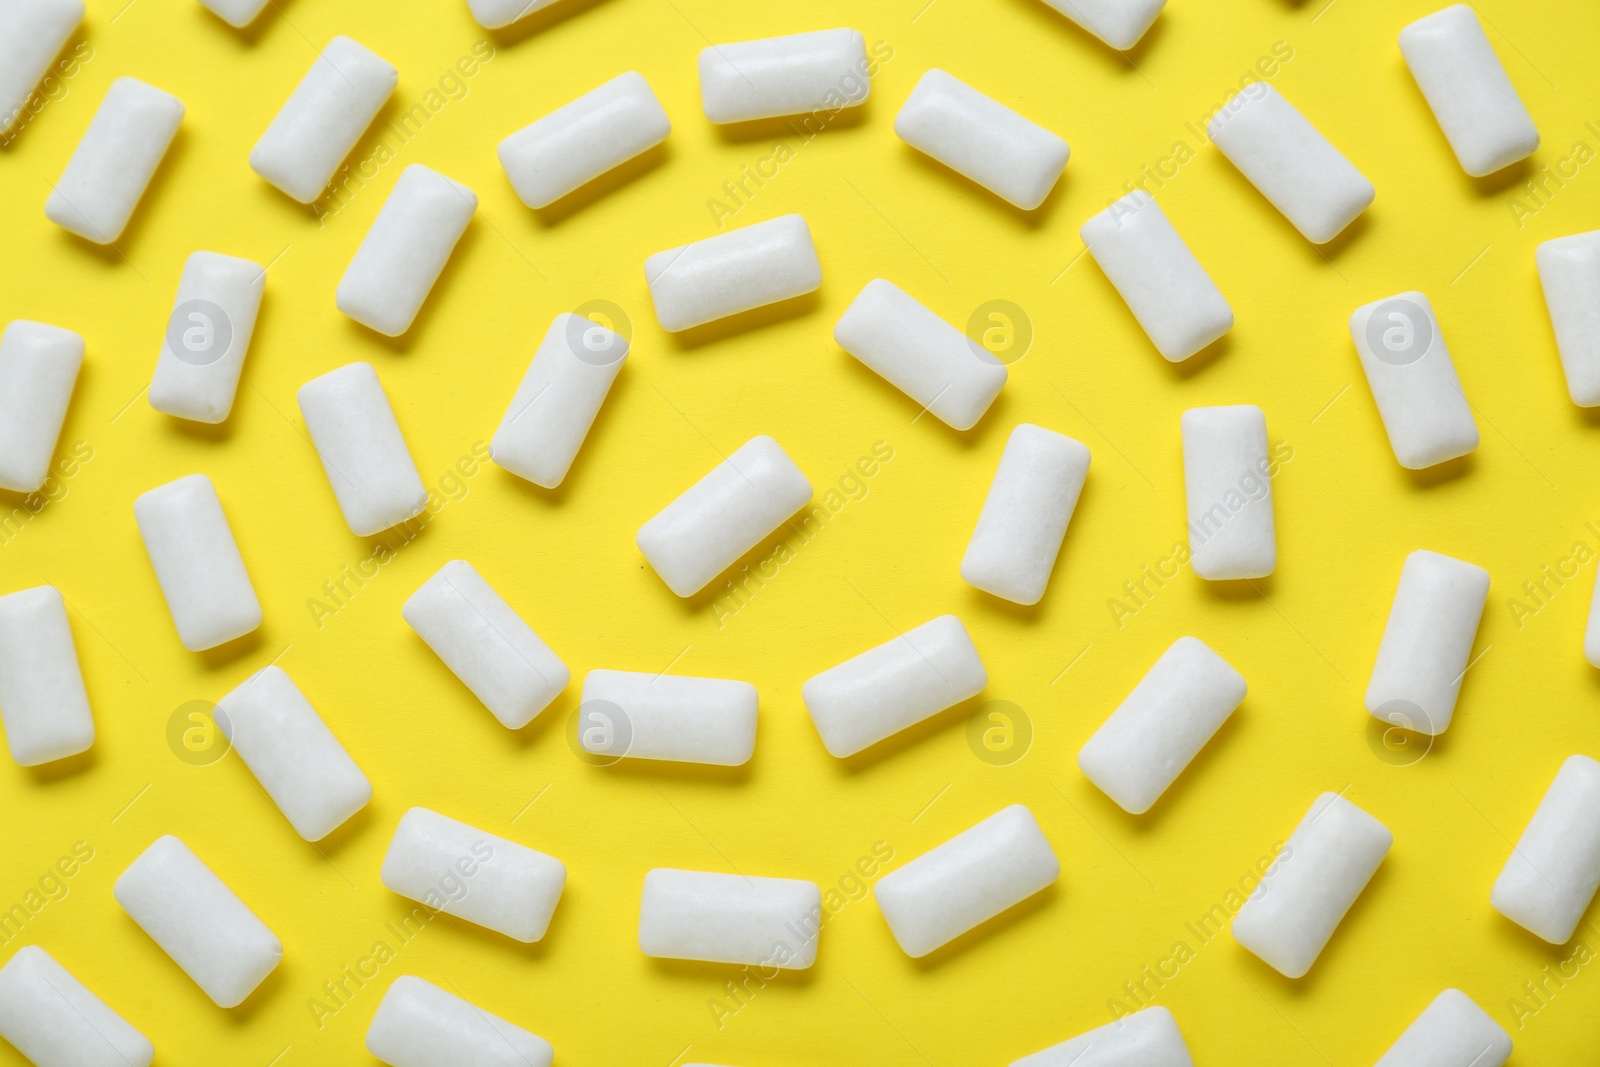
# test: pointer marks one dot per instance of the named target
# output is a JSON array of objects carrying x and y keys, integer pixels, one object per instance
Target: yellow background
[{"x": 1347, "y": 515}]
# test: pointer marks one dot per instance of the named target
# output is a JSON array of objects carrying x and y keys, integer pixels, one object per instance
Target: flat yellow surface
[{"x": 1132, "y": 890}]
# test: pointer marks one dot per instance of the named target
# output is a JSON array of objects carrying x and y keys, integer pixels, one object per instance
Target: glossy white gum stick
[
  {"x": 114, "y": 162},
  {"x": 356, "y": 436},
  {"x": 894, "y": 686},
  {"x": 38, "y": 368},
  {"x": 1551, "y": 876},
  {"x": 43, "y": 702},
  {"x": 1451, "y": 1032},
  {"x": 462, "y": 871},
  {"x": 1413, "y": 380},
  {"x": 730, "y": 918},
  {"x": 236, "y": 13},
  {"x": 981, "y": 139},
  {"x": 1427, "y": 642},
  {"x": 920, "y": 354},
  {"x": 486, "y": 644},
  {"x": 1324, "y": 866},
  {"x": 1156, "y": 732},
  {"x": 578, "y": 142},
  {"x": 1289, "y": 161},
  {"x": 821, "y": 71},
  {"x": 558, "y": 399},
  {"x": 1024, "y": 517},
  {"x": 968, "y": 880},
  {"x": 1119, "y": 23},
  {"x": 292, "y": 753},
  {"x": 724, "y": 515},
  {"x": 1469, "y": 91},
  {"x": 420, "y": 1025},
  {"x": 323, "y": 119},
  {"x": 405, "y": 251},
  {"x": 1175, "y": 301},
  {"x": 32, "y": 34},
  {"x": 496, "y": 14},
  {"x": 198, "y": 921},
  {"x": 670, "y": 717},
  {"x": 1228, "y": 493},
  {"x": 1569, "y": 271},
  {"x": 56, "y": 1021},
  {"x": 208, "y": 335},
  {"x": 1148, "y": 1038},
  {"x": 197, "y": 562},
  {"x": 733, "y": 272}
]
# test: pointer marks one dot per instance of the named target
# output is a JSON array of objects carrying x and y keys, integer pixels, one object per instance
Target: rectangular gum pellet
[
  {"x": 197, "y": 562},
  {"x": 1569, "y": 272},
  {"x": 1175, "y": 301},
  {"x": 980, "y": 138},
  {"x": 1413, "y": 380},
  {"x": 668, "y": 717},
  {"x": 920, "y": 354},
  {"x": 38, "y": 368},
  {"x": 558, "y": 399},
  {"x": 1468, "y": 90},
  {"x": 578, "y": 142},
  {"x": 1119, "y": 23},
  {"x": 463, "y": 871},
  {"x": 207, "y": 337},
  {"x": 114, "y": 162},
  {"x": 56, "y": 1021},
  {"x": 1025, "y": 515},
  {"x": 971, "y": 878},
  {"x": 359, "y": 442},
  {"x": 1551, "y": 876},
  {"x": 236, "y": 13},
  {"x": 1427, "y": 642},
  {"x": 1305, "y": 894},
  {"x": 323, "y": 119},
  {"x": 43, "y": 702},
  {"x": 1451, "y": 1032},
  {"x": 417, "y": 1024},
  {"x": 486, "y": 644},
  {"x": 497, "y": 14},
  {"x": 198, "y": 921},
  {"x": 32, "y": 34},
  {"x": 730, "y": 918},
  {"x": 732, "y": 273},
  {"x": 1147, "y": 1038},
  {"x": 1289, "y": 161},
  {"x": 724, "y": 515},
  {"x": 821, "y": 71},
  {"x": 1228, "y": 492},
  {"x": 894, "y": 686},
  {"x": 405, "y": 251},
  {"x": 1161, "y": 726},
  {"x": 292, "y": 753}
]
